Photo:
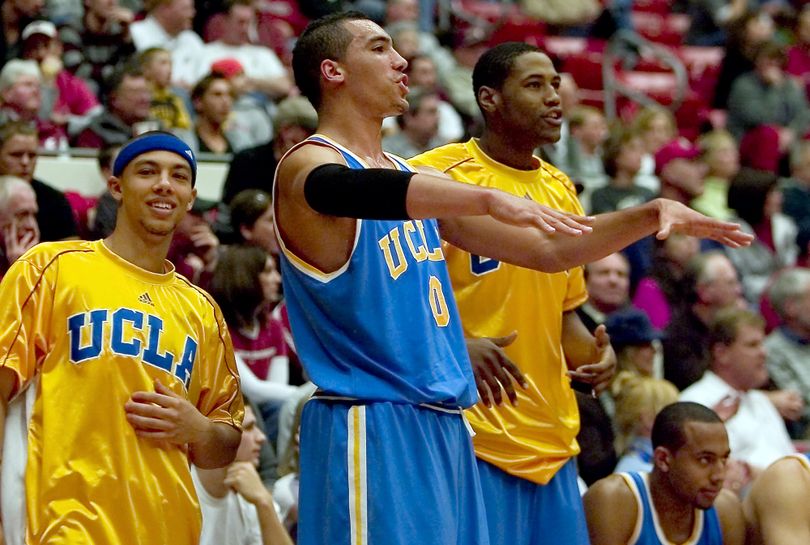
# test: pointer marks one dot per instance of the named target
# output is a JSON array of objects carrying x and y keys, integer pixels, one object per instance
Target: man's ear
[
  {"x": 246, "y": 233},
  {"x": 114, "y": 185},
  {"x": 193, "y": 198},
  {"x": 662, "y": 459},
  {"x": 489, "y": 98},
  {"x": 332, "y": 71}
]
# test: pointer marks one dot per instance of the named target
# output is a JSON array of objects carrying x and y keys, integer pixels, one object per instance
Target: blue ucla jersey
[
  {"x": 706, "y": 529},
  {"x": 384, "y": 326}
]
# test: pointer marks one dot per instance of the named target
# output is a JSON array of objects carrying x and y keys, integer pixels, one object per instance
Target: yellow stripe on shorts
[{"x": 357, "y": 474}]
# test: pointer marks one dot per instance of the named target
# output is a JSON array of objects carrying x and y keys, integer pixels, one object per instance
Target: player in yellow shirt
[
  {"x": 119, "y": 373},
  {"x": 524, "y": 450}
]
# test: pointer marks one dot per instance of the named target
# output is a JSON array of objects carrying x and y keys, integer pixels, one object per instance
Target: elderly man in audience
[
  {"x": 788, "y": 346},
  {"x": 756, "y": 431},
  {"x": 18, "y": 220},
  {"x": 18, "y": 157},
  {"x": 21, "y": 98}
]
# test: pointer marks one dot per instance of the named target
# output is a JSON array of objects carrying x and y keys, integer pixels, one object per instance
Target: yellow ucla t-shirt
[
  {"x": 535, "y": 439},
  {"x": 86, "y": 329}
]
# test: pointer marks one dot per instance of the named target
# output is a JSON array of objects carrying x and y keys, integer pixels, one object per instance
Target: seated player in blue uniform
[
  {"x": 682, "y": 500},
  {"x": 777, "y": 508}
]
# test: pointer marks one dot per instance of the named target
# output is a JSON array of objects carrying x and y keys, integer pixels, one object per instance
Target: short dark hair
[
  {"x": 131, "y": 69},
  {"x": 202, "y": 86},
  {"x": 106, "y": 155},
  {"x": 324, "y": 38},
  {"x": 235, "y": 284},
  {"x": 619, "y": 137},
  {"x": 668, "y": 428},
  {"x": 247, "y": 206},
  {"x": 496, "y": 64}
]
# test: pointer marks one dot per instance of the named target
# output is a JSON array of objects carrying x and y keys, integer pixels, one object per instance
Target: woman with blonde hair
[{"x": 638, "y": 400}]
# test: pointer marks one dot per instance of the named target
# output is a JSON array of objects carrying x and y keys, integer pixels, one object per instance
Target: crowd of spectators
[{"x": 728, "y": 328}]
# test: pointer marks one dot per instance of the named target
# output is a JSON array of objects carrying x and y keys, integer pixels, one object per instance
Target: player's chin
[{"x": 160, "y": 229}]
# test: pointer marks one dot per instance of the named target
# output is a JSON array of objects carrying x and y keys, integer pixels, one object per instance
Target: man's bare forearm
[{"x": 217, "y": 448}]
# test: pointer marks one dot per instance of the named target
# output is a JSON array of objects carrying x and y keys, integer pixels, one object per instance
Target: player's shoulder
[
  {"x": 444, "y": 157},
  {"x": 611, "y": 509},
  {"x": 786, "y": 472},
  {"x": 308, "y": 154},
  {"x": 46, "y": 252},
  {"x": 616, "y": 491}
]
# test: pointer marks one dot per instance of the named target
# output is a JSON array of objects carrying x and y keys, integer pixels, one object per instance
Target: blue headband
[{"x": 157, "y": 141}]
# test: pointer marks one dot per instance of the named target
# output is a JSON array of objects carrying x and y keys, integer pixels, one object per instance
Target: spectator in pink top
[{"x": 66, "y": 99}]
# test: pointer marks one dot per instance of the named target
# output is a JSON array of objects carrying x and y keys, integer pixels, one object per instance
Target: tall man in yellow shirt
[
  {"x": 121, "y": 373},
  {"x": 525, "y": 450}
]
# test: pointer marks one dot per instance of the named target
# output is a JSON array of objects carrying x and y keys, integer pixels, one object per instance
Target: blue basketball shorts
[
  {"x": 521, "y": 512},
  {"x": 387, "y": 474}
]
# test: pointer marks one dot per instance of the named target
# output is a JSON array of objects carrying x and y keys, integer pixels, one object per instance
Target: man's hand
[
  {"x": 206, "y": 245},
  {"x": 164, "y": 415},
  {"x": 243, "y": 478},
  {"x": 674, "y": 217},
  {"x": 15, "y": 246},
  {"x": 598, "y": 374},
  {"x": 789, "y": 403},
  {"x": 522, "y": 212},
  {"x": 492, "y": 369}
]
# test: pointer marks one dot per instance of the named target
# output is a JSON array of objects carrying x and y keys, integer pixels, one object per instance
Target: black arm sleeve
[{"x": 371, "y": 193}]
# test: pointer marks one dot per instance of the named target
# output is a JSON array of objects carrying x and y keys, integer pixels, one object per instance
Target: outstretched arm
[
  {"x": 319, "y": 200},
  {"x": 494, "y": 237}
]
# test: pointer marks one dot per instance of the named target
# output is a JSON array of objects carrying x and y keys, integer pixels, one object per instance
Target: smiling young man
[
  {"x": 385, "y": 452},
  {"x": 120, "y": 371},
  {"x": 682, "y": 500}
]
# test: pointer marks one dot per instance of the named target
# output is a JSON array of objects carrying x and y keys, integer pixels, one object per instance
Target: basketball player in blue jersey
[
  {"x": 778, "y": 506},
  {"x": 385, "y": 452},
  {"x": 682, "y": 500}
]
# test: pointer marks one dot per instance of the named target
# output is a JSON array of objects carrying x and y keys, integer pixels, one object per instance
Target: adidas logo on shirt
[{"x": 145, "y": 299}]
